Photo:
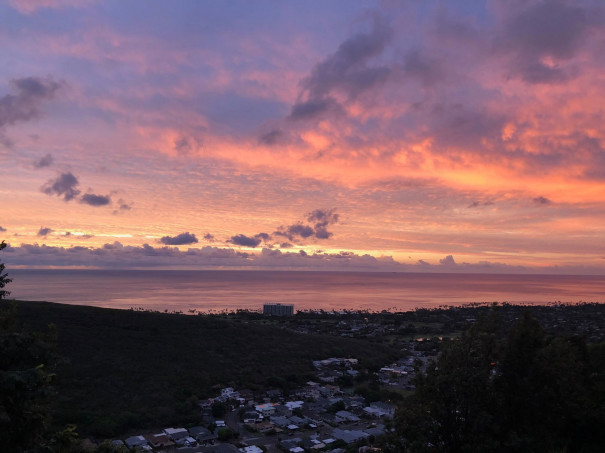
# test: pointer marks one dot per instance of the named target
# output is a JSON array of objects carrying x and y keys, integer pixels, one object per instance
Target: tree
[
  {"x": 26, "y": 361},
  {"x": 224, "y": 434},
  {"x": 515, "y": 391},
  {"x": 4, "y": 280},
  {"x": 451, "y": 407},
  {"x": 219, "y": 409}
]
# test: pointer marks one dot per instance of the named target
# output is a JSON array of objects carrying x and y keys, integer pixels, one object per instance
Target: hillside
[{"x": 125, "y": 370}]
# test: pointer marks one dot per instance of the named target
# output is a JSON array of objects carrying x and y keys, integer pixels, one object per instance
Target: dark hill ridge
[{"x": 128, "y": 369}]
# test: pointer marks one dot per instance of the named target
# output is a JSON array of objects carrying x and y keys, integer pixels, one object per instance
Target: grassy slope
[{"x": 127, "y": 370}]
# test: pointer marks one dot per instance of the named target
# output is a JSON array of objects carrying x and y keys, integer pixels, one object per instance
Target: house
[
  {"x": 220, "y": 448},
  {"x": 176, "y": 433},
  {"x": 291, "y": 444},
  {"x": 373, "y": 412},
  {"x": 137, "y": 441},
  {"x": 349, "y": 436},
  {"x": 291, "y": 405},
  {"x": 228, "y": 393},
  {"x": 186, "y": 441},
  {"x": 297, "y": 420},
  {"x": 348, "y": 416},
  {"x": 375, "y": 431},
  {"x": 252, "y": 417},
  {"x": 266, "y": 409},
  {"x": 160, "y": 440},
  {"x": 251, "y": 449},
  {"x": 387, "y": 409},
  {"x": 329, "y": 418},
  {"x": 280, "y": 421},
  {"x": 201, "y": 434},
  {"x": 313, "y": 444},
  {"x": 266, "y": 426}
]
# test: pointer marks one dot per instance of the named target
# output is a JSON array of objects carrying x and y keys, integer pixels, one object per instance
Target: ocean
[{"x": 218, "y": 290}]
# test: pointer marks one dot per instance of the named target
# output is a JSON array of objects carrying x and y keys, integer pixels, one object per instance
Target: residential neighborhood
[
  {"x": 319, "y": 416},
  {"x": 327, "y": 414}
]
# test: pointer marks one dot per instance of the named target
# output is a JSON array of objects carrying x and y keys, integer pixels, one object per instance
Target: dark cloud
[
  {"x": 317, "y": 224},
  {"x": 64, "y": 185},
  {"x": 44, "y": 231},
  {"x": 467, "y": 127},
  {"x": 448, "y": 261},
  {"x": 24, "y": 105},
  {"x": 346, "y": 72},
  {"x": 347, "y": 67},
  {"x": 209, "y": 237},
  {"x": 285, "y": 245},
  {"x": 2, "y": 229},
  {"x": 304, "y": 231},
  {"x": 119, "y": 256},
  {"x": 451, "y": 28},
  {"x": 246, "y": 241},
  {"x": 312, "y": 108},
  {"x": 249, "y": 241},
  {"x": 427, "y": 70},
  {"x": 271, "y": 137},
  {"x": 545, "y": 29},
  {"x": 122, "y": 206},
  {"x": 44, "y": 161},
  {"x": 181, "y": 239},
  {"x": 478, "y": 204},
  {"x": 551, "y": 28},
  {"x": 95, "y": 200},
  {"x": 322, "y": 233},
  {"x": 537, "y": 72},
  {"x": 322, "y": 218},
  {"x": 542, "y": 201},
  {"x": 263, "y": 236}
]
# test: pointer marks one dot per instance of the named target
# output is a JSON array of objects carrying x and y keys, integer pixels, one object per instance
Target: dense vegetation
[
  {"x": 27, "y": 359},
  {"x": 125, "y": 370},
  {"x": 502, "y": 389}
]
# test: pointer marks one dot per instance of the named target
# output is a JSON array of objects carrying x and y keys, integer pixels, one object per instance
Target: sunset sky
[{"x": 389, "y": 135}]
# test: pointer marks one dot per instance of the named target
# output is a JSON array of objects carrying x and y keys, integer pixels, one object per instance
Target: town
[
  {"x": 331, "y": 413},
  {"x": 320, "y": 416}
]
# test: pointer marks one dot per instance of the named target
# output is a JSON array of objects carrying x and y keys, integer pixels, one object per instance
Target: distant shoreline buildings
[{"x": 278, "y": 309}]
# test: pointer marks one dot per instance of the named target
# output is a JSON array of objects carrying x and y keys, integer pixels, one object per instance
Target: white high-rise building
[{"x": 278, "y": 309}]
